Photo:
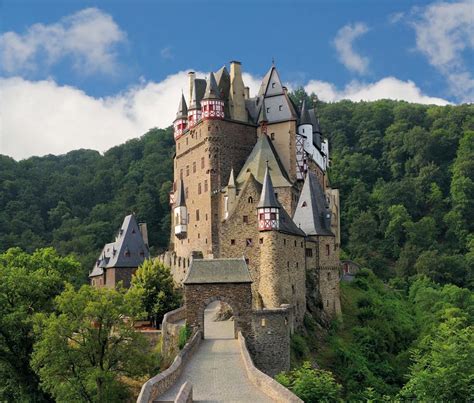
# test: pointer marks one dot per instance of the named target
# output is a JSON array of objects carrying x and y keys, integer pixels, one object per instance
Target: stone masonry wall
[{"x": 238, "y": 295}]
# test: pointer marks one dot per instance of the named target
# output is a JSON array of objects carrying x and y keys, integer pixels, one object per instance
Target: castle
[{"x": 250, "y": 181}]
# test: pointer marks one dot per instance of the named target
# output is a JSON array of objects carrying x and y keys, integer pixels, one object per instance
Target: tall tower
[
  {"x": 268, "y": 208},
  {"x": 237, "y": 93}
]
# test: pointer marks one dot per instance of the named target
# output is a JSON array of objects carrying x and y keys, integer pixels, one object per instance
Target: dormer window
[
  {"x": 127, "y": 253},
  {"x": 280, "y": 107},
  {"x": 273, "y": 85},
  {"x": 304, "y": 204},
  {"x": 268, "y": 110}
]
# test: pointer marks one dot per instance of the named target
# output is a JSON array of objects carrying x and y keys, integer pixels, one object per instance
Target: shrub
[{"x": 184, "y": 335}]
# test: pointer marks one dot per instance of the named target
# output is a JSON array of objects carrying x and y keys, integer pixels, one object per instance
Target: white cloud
[
  {"x": 89, "y": 37},
  {"x": 167, "y": 53},
  {"x": 386, "y": 88},
  {"x": 42, "y": 117},
  {"x": 343, "y": 43},
  {"x": 444, "y": 33}
]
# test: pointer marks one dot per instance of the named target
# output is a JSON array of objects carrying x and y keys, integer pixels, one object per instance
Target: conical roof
[
  {"x": 264, "y": 152},
  {"x": 305, "y": 119},
  {"x": 312, "y": 207},
  {"x": 196, "y": 96},
  {"x": 182, "y": 109},
  {"x": 267, "y": 197},
  {"x": 180, "y": 200},
  {"x": 212, "y": 91}
]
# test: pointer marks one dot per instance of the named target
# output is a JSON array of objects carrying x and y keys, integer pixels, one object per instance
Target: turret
[
  {"x": 230, "y": 197},
  {"x": 180, "y": 213},
  {"x": 268, "y": 209},
  {"x": 194, "y": 111},
  {"x": 181, "y": 122},
  {"x": 212, "y": 106}
]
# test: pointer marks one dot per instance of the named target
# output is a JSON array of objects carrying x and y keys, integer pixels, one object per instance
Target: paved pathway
[{"x": 216, "y": 369}]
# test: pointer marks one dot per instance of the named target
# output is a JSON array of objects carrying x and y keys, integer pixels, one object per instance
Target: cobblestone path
[{"x": 216, "y": 369}]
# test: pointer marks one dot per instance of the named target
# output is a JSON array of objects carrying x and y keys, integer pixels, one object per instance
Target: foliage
[
  {"x": 311, "y": 385},
  {"x": 154, "y": 284},
  {"x": 28, "y": 285},
  {"x": 75, "y": 202},
  {"x": 88, "y": 344},
  {"x": 184, "y": 335}
]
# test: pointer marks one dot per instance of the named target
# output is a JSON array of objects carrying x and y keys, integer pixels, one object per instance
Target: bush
[
  {"x": 184, "y": 335},
  {"x": 299, "y": 346},
  {"x": 311, "y": 385}
]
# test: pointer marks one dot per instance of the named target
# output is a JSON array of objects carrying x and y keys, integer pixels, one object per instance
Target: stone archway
[{"x": 219, "y": 321}]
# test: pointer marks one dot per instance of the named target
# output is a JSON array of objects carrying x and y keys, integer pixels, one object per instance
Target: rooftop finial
[{"x": 273, "y": 61}]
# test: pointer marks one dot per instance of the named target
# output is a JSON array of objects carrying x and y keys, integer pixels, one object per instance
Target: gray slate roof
[
  {"x": 128, "y": 250},
  {"x": 208, "y": 271},
  {"x": 312, "y": 207},
  {"x": 267, "y": 197},
  {"x": 180, "y": 199},
  {"x": 316, "y": 129},
  {"x": 256, "y": 164},
  {"x": 199, "y": 87},
  {"x": 212, "y": 91},
  {"x": 182, "y": 108},
  {"x": 305, "y": 119}
]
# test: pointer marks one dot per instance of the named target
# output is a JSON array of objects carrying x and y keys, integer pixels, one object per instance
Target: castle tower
[
  {"x": 194, "y": 111},
  {"x": 268, "y": 208},
  {"x": 212, "y": 106},
  {"x": 237, "y": 93},
  {"x": 180, "y": 213},
  {"x": 304, "y": 141},
  {"x": 181, "y": 122}
]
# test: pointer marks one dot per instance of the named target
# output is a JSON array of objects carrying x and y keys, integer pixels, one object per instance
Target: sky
[{"x": 84, "y": 74}]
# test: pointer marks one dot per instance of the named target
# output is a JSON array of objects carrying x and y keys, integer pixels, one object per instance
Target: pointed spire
[
  {"x": 212, "y": 90},
  {"x": 182, "y": 109},
  {"x": 231, "y": 183},
  {"x": 180, "y": 200},
  {"x": 268, "y": 198},
  {"x": 305, "y": 119}
]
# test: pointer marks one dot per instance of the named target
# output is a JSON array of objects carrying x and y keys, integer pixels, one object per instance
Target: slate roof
[
  {"x": 212, "y": 91},
  {"x": 288, "y": 225},
  {"x": 182, "y": 108},
  {"x": 256, "y": 164},
  {"x": 312, "y": 207},
  {"x": 267, "y": 197},
  {"x": 128, "y": 250},
  {"x": 209, "y": 271},
  {"x": 180, "y": 199},
  {"x": 305, "y": 119},
  {"x": 199, "y": 87},
  {"x": 316, "y": 129}
]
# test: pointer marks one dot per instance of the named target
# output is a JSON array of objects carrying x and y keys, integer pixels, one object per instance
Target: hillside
[{"x": 405, "y": 172}]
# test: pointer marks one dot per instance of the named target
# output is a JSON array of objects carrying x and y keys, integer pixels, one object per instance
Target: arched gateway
[{"x": 225, "y": 280}]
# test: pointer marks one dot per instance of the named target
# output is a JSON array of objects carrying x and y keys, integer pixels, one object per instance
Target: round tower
[
  {"x": 268, "y": 209},
  {"x": 180, "y": 124},
  {"x": 212, "y": 106}
]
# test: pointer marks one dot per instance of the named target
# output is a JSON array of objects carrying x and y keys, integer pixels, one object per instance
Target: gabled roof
[
  {"x": 262, "y": 117},
  {"x": 271, "y": 83},
  {"x": 182, "y": 109},
  {"x": 262, "y": 152},
  {"x": 231, "y": 183},
  {"x": 288, "y": 225},
  {"x": 209, "y": 271},
  {"x": 267, "y": 197},
  {"x": 212, "y": 91},
  {"x": 311, "y": 208},
  {"x": 128, "y": 250}
]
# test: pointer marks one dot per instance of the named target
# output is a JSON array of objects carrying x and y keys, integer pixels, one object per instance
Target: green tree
[
  {"x": 85, "y": 348},
  {"x": 154, "y": 285},
  {"x": 28, "y": 285},
  {"x": 311, "y": 385}
]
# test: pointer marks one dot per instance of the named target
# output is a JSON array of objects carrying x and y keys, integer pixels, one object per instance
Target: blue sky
[{"x": 93, "y": 74}]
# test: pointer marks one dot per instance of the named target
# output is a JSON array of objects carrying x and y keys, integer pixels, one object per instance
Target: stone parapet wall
[
  {"x": 269, "y": 341},
  {"x": 170, "y": 331},
  {"x": 160, "y": 383},
  {"x": 266, "y": 384},
  {"x": 185, "y": 394}
]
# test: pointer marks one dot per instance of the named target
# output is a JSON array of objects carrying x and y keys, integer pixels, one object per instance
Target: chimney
[
  {"x": 247, "y": 92},
  {"x": 192, "y": 76},
  {"x": 237, "y": 93},
  {"x": 144, "y": 232}
]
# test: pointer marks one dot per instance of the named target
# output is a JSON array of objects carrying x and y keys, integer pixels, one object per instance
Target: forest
[{"x": 406, "y": 179}]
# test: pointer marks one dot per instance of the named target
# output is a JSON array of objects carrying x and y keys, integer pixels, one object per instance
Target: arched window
[{"x": 250, "y": 199}]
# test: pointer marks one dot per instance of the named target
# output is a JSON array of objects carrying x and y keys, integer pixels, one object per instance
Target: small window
[
  {"x": 261, "y": 216},
  {"x": 232, "y": 241},
  {"x": 187, "y": 170},
  {"x": 276, "y": 195},
  {"x": 273, "y": 216},
  {"x": 288, "y": 265},
  {"x": 280, "y": 107},
  {"x": 260, "y": 241},
  {"x": 273, "y": 85},
  {"x": 284, "y": 241},
  {"x": 180, "y": 174},
  {"x": 304, "y": 204},
  {"x": 295, "y": 243},
  {"x": 249, "y": 242},
  {"x": 250, "y": 200},
  {"x": 328, "y": 250},
  {"x": 194, "y": 166},
  {"x": 186, "y": 193},
  {"x": 272, "y": 136},
  {"x": 205, "y": 186},
  {"x": 247, "y": 261},
  {"x": 268, "y": 110},
  {"x": 197, "y": 215},
  {"x": 264, "y": 322},
  {"x": 199, "y": 188},
  {"x": 329, "y": 276},
  {"x": 202, "y": 163},
  {"x": 245, "y": 219},
  {"x": 309, "y": 252}
]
